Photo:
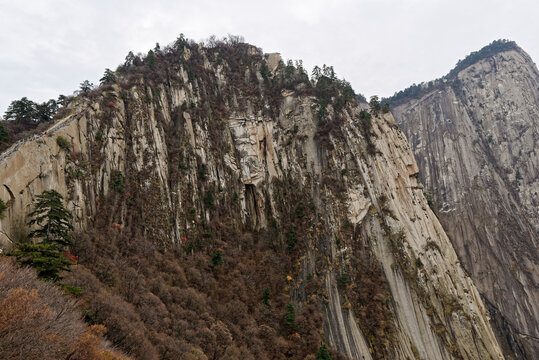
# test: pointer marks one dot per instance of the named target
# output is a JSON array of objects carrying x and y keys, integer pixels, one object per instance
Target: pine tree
[
  {"x": 4, "y": 135},
  {"x": 86, "y": 87},
  {"x": 323, "y": 353},
  {"x": 108, "y": 77},
  {"x": 375, "y": 105},
  {"x": 180, "y": 42},
  {"x": 22, "y": 111},
  {"x": 45, "y": 111},
  {"x": 290, "y": 317},
  {"x": 53, "y": 225},
  {"x": 129, "y": 59},
  {"x": 316, "y": 74},
  {"x": 265, "y": 297},
  {"x": 62, "y": 100},
  {"x": 46, "y": 259},
  {"x": 52, "y": 219},
  {"x": 150, "y": 59}
]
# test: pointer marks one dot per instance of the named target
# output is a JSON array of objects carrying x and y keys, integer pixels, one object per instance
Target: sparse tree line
[
  {"x": 30, "y": 113},
  {"x": 414, "y": 91},
  {"x": 26, "y": 111}
]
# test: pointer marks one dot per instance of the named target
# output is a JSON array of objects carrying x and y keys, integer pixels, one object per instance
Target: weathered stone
[
  {"x": 476, "y": 140},
  {"x": 436, "y": 310}
]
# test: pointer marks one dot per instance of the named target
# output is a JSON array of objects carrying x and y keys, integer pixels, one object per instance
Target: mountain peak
[
  {"x": 495, "y": 47},
  {"x": 418, "y": 90}
]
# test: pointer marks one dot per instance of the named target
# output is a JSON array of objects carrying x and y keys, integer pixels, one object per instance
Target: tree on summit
[
  {"x": 25, "y": 111},
  {"x": 150, "y": 59},
  {"x": 375, "y": 105},
  {"x": 129, "y": 59},
  {"x": 180, "y": 42},
  {"x": 85, "y": 87},
  {"x": 317, "y": 72},
  {"x": 21, "y": 111},
  {"x": 108, "y": 77},
  {"x": 46, "y": 110}
]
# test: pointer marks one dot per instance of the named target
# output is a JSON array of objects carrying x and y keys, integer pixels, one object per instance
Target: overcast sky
[{"x": 380, "y": 46}]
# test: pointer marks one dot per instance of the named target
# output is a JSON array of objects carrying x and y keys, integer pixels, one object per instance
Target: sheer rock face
[
  {"x": 367, "y": 203},
  {"x": 476, "y": 142}
]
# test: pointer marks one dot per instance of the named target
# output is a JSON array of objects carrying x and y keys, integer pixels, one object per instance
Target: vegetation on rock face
[
  {"x": 4, "y": 136},
  {"x": 62, "y": 143},
  {"x": 3, "y": 208},
  {"x": 169, "y": 305},
  {"x": 209, "y": 295},
  {"x": 52, "y": 226},
  {"x": 491, "y": 49},
  {"x": 200, "y": 298},
  {"x": 117, "y": 181},
  {"x": 332, "y": 96}
]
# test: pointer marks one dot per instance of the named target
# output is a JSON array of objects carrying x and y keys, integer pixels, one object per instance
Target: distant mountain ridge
[
  {"x": 417, "y": 90},
  {"x": 475, "y": 136}
]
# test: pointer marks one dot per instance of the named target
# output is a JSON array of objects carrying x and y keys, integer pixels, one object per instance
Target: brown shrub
[
  {"x": 37, "y": 320},
  {"x": 89, "y": 347}
]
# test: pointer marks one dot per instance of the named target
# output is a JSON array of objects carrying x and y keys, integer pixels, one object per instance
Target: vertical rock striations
[
  {"x": 475, "y": 136},
  {"x": 227, "y": 137}
]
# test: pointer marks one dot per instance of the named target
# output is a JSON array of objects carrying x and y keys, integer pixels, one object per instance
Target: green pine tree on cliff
[
  {"x": 52, "y": 225},
  {"x": 323, "y": 353}
]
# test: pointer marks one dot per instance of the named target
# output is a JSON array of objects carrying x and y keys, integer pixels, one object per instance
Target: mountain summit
[{"x": 228, "y": 206}]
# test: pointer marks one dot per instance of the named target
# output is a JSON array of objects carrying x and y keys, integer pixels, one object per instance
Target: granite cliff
[
  {"x": 475, "y": 137},
  {"x": 212, "y": 155}
]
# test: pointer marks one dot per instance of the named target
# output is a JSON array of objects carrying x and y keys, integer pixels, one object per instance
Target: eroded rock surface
[
  {"x": 475, "y": 138},
  {"x": 220, "y": 139}
]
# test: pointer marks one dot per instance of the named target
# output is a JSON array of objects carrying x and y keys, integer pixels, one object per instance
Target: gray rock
[{"x": 476, "y": 143}]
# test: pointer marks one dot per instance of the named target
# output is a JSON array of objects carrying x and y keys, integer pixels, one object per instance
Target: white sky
[{"x": 380, "y": 46}]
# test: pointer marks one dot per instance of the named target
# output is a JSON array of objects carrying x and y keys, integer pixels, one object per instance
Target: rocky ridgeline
[
  {"x": 233, "y": 137},
  {"x": 475, "y": 139}
]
